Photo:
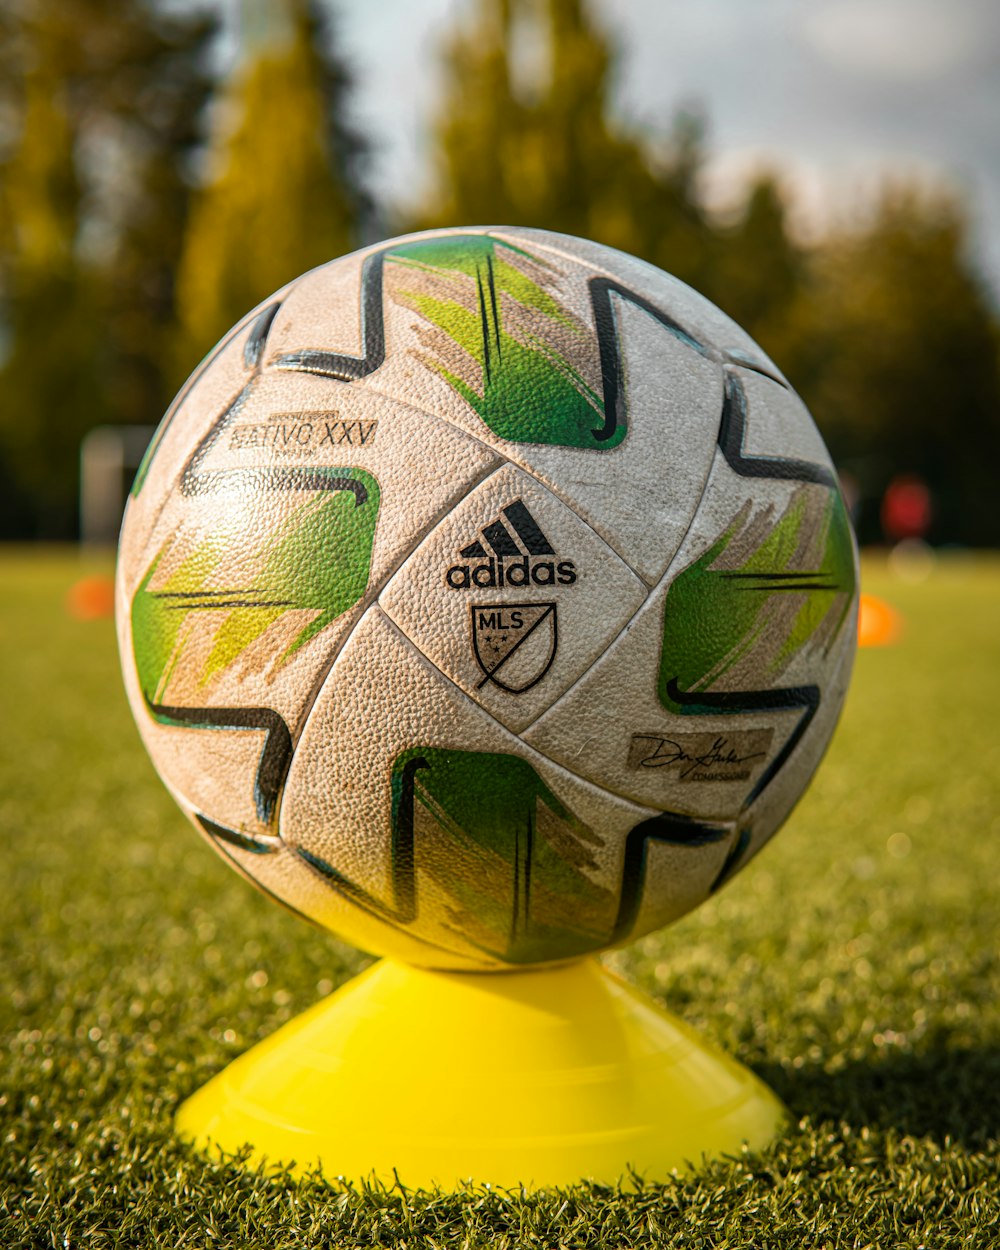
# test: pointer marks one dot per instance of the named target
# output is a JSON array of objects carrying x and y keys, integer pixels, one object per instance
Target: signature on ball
[{"x": 701, "y": 757}]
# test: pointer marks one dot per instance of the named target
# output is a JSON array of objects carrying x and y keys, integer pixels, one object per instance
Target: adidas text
[{"x": 516, "y": 572}]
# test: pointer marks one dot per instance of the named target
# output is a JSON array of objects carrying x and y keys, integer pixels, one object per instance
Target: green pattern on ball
[
  {"x": 317, "y": 561},
  {"x": 512, "y": 859},
  {"x": 502, "y": 340},
  {"x": 764, "y": 590}
]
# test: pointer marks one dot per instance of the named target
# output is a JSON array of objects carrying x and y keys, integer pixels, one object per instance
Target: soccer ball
[{"x": 487, "y": 596}]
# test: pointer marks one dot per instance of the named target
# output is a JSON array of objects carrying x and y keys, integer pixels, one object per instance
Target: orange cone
[
  {"x": 91, "y": 598},
  {"x": 879, "y": 624}
]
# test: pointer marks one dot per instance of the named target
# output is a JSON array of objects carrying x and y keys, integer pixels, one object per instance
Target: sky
[{"x": 832, "y": 93}]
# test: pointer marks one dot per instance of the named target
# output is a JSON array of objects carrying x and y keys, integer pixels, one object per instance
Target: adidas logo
[{"x": 513, "y": 555}]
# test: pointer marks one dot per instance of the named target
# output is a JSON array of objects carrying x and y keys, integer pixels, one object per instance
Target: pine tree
[
  {"x": 278, "y": 200},
  {"x": 483, "y": 128},
  {"x": 758, "y": 270},
  {"x": 577, "y": 158},
  {"x": 526, "y": 137},
  {"x": 673, "y": 229}
]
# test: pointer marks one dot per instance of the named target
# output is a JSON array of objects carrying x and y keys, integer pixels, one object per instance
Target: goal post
[{"x": 109, "y": 458}]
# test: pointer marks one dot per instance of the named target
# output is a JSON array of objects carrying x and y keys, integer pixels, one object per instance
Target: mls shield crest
[{"x": 514, "y": 643}]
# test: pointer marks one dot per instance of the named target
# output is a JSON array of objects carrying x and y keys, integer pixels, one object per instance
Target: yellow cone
[{"x": 537, "y": 1078}]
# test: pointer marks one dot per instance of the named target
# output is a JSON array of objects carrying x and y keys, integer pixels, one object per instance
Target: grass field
[{"x": 853, "y": 966}]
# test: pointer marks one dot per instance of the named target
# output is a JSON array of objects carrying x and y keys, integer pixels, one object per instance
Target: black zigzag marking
[
  {"x": 271, "y": 775},
  {"x": 733, "y": 859},
  {"x": 360, "y": 897},
  {"x": 256, "y": 844},
  {"x": 259, "y": 480},
  {"x": 225, "y": 839},
  {"x": 612, "y": 376},
  {"x": 276, "y": 753},
  {"x": 732, "y": 435},
  {"x": 253, "y": 348},
  {"x": 343, "y": 367},
  {"x": 787, "y": 698},
  {"x": 668, "y": 827},
  {"x": 781, "y": 699},
  {"x": 195, "y": 482},
  {"x": 401, "y": 909},
  {"x": 683, "y": 830},
  {"x": 732, "y": 431},
  {"x": 404, "y": 866},
  {"x": 255, "y": 480},
  {"x": 736, "y": 356}
]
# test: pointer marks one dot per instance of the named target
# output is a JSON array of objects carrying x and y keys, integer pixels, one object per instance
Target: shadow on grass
[{"x": 941, "y": 1092}]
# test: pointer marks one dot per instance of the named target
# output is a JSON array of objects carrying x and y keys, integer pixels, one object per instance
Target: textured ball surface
[{"x": 487, "y": 597}]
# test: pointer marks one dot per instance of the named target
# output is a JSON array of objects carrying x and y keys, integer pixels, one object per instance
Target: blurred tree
[
  {"x": 758, "y": 271},
  {"x": 482, "y": 128},
  {"x": 896, "y": 352},
  {"x": 673, "y": 228},
  {"x": 158, "y": 93},
  {"x": 49, "y": 381},
  {"x": 526, "y": 137},
  {"x": 98, "y": 108},
  {"x": 284, "y": 189}
]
